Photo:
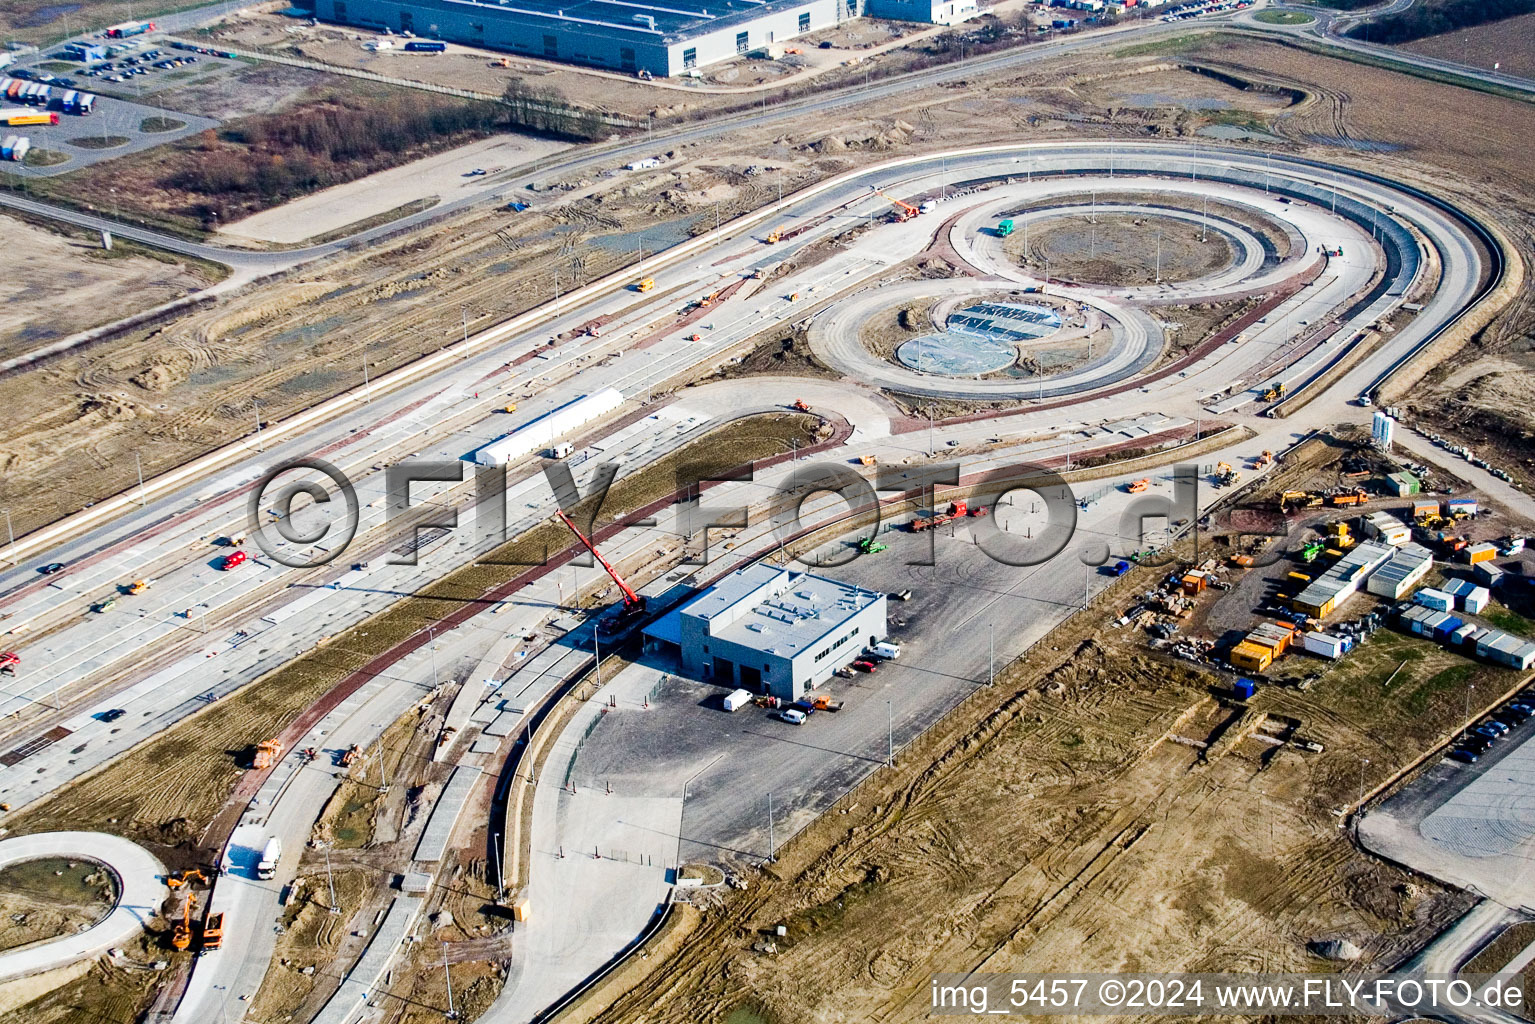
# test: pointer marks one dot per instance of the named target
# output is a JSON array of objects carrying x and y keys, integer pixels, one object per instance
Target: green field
[{"x": 1272, "y": 17}]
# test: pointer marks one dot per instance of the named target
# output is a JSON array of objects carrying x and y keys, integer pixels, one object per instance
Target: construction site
[{"x": 502, "y": 531}]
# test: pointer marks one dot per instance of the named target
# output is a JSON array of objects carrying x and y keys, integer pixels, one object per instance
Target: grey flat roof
[
  {"x": 788, "y": 613},
  {"x": 668, "y": 19}
]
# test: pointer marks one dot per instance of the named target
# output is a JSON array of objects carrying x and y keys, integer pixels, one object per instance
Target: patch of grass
[
  {"x": 1497, "y": 953},
  {"x": 99, "y": 141},
  {"x": 1450, "y": 678},
  {"x": 1172, "y": 44},
  {"x": 414, "y": 206},
  {"x": 46, "y": 158},
  {"x": 1284, "y": 18},
  {"x": 1509, "y": 621},
  {"x": 160, "y": 124}
]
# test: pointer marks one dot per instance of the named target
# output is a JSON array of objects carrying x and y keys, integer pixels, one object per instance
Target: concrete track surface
[
  {"x": 140, "y": 891},
  {"x": 152, "y": 658}
]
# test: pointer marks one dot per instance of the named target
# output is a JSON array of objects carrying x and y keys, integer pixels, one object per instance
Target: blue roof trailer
[
  {"x": 1245, "y": 688},
  {"x": 1443, "y": 630}
]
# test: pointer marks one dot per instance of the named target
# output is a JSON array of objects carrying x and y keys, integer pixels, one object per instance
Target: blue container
[{"x": 1245, "y": 688}]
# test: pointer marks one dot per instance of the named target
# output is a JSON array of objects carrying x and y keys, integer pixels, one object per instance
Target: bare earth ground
[
  {"x": 1068, "y": 827},
  {"x": 441, "y": 176},
  {"x": 44, "y": 899},
  {"x": 1120, "y": 250},
  {"x": 1509, "y": 43},
  {"x": 78, "y": 283}
]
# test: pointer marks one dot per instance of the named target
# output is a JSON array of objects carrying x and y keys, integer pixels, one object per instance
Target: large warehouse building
[
  {"x": 666, "y": 37},
  {"x": 772, "y": 631}
]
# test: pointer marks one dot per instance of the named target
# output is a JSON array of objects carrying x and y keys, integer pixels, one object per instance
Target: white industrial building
[
  {"x": 770, "y": 630},
  {"x": 544, "y": 431},
  {"x": 1403, "y": 572},
  {"x": 1386, "y": 528},
  {"x": 670, "y": 38}
]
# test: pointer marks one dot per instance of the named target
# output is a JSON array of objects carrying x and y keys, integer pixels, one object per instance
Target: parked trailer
[
  {"x": 20, "y": 150},
  {"x": 7, "y": 146},
  {"x": 18, "y": 117},
  {"x": 84, "y": 104},
  {"x": 425, "y": 46},
  {"x": 129, "y": 29}
]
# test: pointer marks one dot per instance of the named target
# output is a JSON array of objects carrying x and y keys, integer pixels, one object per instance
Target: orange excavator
[
  {"x": 634, "y": 604},
  {"x": 907, "y": 211},
  {"x": 185, "y": 878},
  {"x": 181, "y": 938}
]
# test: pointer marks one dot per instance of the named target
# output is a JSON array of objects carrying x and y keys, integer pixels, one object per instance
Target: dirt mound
[
  {"x": 1509, "y": 397},
  {"x": 1336, "y": 949},
  {"x": 106, "y": 408}
]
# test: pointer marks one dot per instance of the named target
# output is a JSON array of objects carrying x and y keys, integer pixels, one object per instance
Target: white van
[
  {"x": 887, "y": 650},
  {"x": 794, "y": 716},
  {"x": 737, "y": 699}
]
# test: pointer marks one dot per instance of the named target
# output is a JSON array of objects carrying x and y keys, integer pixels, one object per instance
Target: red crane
[{"x": 634, "y": 604}]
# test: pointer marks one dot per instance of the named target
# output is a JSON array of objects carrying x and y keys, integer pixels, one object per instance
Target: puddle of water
[
  {"x": 1358, "y": 145},
  {"x": 44, "y": 15},
  {"x": 1157, "y": 99},
  {"x": 1233, "y": 133},
  {"x": 306, "y": 332}
]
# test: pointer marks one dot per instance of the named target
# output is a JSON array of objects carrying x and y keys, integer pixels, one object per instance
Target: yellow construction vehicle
[
  {"x": 645, "y": 285},
  {"x": 509, "y": 407},
  {"x": 868, "y": 460},
  {"x": 181, "y": 938},
  {"x": 185, "y": 878},
  {"x": 138, "y": 587},
  {"x": 774, "y": 236},
  {"x": 801, "y": 405},
  {"x": 501, "y": 62},
  {"x": 1137, "y": 486},
  {"x": 213, "y": 932}
]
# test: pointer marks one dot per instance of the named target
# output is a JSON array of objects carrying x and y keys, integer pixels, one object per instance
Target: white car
[{"x": 794, "y": 716}]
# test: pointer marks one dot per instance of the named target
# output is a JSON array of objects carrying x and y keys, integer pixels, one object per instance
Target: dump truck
[
  {"x": 1355, "y": 497},
  {"x": 213, "y": 932},
  {"x": 268, "y": 753}
]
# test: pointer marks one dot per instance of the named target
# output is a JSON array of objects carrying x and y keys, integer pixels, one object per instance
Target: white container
[
  {"x": 737, "y": 699},
  {"x": 1435, "y": 599},
  {"x": 1475, "y": 601},
  {"x": 1325, "y": 644}
]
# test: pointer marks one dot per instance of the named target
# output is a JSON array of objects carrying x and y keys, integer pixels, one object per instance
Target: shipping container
[
  {"x": 1488, "y": 574},
  {"x": 1475, "y": 601},
  {"x": 1445, "y": 627},
  {"x": 1465, "y": 505},
  {"x": 1244, "y": 689},
  {"x": 1250, "y": 656},
  {"x": 1327, "y": 645},
  {"x": 1435, "y": 599},
  {"x": 1483, "y": 552}
]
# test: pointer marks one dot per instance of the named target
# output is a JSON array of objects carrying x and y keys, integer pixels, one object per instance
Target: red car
[
  {"x": 865, "y": 666},
  {"x": 230, "y": 561}
]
